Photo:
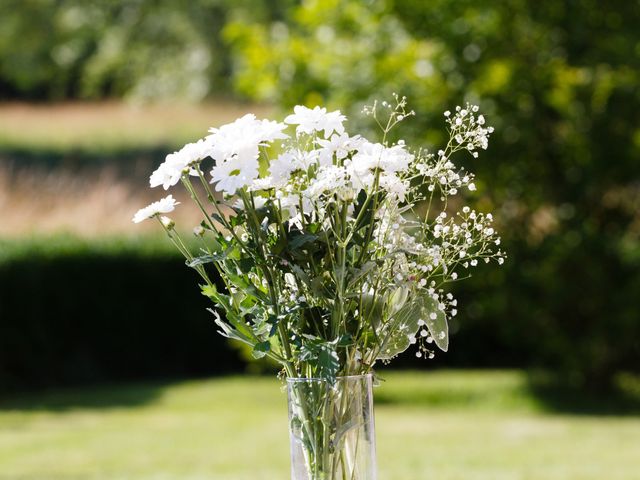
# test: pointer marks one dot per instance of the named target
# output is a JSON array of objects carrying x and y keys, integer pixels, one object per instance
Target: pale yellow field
[
  {"x": 113, "y": 126},
  {"x": 79, "y": 199}
]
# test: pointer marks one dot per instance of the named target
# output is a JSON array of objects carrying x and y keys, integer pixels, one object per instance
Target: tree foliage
[
  {"x": 143, "y": 49},
  {"x": 560, "y": 82}
]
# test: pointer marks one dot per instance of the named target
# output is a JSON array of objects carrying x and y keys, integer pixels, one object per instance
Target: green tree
[
  {"x": 559, "y": 82},
  {"x": 145, "y": 49}
]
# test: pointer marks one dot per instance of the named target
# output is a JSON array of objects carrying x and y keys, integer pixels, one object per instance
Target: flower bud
[{"x": 167, "y": 223}]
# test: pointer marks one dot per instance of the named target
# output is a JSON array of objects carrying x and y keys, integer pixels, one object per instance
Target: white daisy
[
  {"x": 165, "y": 205},
  {"x": 234, "y": 174},
  {"x": 245, "y": 134},
  {"x": 339, "y": 145},
  {"x": 281, "y": 168},
  {"x": 236, "y": 146},
  {"x": 309, "y": 121},
  {"x": 170, "y": 172}
]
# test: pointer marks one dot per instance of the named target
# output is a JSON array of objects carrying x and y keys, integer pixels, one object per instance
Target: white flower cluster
[
  {"x": 381, "y": 210},
  {"x": 467, "y": 130},
  {"x": 235, "y": 148},
  {"x": 178, "y": 163},
  {"x": 337, "y": 164}
]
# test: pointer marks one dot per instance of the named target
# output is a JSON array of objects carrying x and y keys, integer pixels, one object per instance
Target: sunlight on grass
[
  {"x": 235, "y": 429},
  {"x": 111, "y": 126}
]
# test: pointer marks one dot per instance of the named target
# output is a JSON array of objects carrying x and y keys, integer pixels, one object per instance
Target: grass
[
  {"x": 111, "y": 126},
  {"x": 65, "y": 245},
  {"x": 444, "y": 425}
]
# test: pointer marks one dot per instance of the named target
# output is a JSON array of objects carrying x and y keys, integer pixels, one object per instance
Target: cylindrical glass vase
[{"x": 331, "y": 428}]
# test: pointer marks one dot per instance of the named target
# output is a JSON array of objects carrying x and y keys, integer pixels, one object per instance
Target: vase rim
[{"x": 316, "y": 379}]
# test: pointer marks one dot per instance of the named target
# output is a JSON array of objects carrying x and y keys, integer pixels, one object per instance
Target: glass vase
[{"x": 331, "y": 428}]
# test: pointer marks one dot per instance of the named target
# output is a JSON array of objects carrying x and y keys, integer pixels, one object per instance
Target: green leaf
[
  {"x": 404, "y": 324},
  {"x": 398, "y": 299},
  {"x": 228, "y": 331},
  {"x": 230, "y": 252},
  {"x": 301, "y": 274},
  {"x": 209, "y": 291},
  {"x": 322, "y": 357},
  {"x": 280, "y": 245},
  {"x": 299, "y": 240},
  {"x": 246, "y": 264},
  {"x": 273, "y": 321},
  {"x": 399, "y": 330},
  {"x": 359, "y": 273},
  {"x": 261, "y": 349}
]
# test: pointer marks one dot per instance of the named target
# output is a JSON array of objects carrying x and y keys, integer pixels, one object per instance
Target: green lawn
[{"x": 443, "y": 425}]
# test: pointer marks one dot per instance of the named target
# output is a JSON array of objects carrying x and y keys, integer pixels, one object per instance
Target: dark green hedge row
[
  {"x": 74, "y": 312},
  {"x": 91, "y": 316}
]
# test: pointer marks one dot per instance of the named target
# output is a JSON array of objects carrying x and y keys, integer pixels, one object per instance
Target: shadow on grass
[
  {"x": 117, "y": 395},
  {"x": 622, "y": 398},
  {"x": 508, "y": 391}
]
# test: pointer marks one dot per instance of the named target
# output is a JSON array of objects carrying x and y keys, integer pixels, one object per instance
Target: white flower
[
  {"x": 168, "y": 173},
  {"x": 246, "y": 134},
  {"x": 395, "y": 159},
  {"x": 176, "y": 163},
  {"x": 234, "y": 174},
  {"x": 290, "y": 161},
  {"x": 367, "y": 158},
  {"x": 167, "y": 222},
  {"x": 235, "y": 148},
  {"x": 310, "y": 121},
  {"x": 258, "y": 202},
  {"x": 265, "y": 183},
  {"x": 375, "y": 155},
  {"x": 394, "y": 186},
  {"x": 280, "y": 168},
  {"x": 165, "y": 205},
  {"x": 338, "y": 145},
  {"x": 330, "y": 179}
]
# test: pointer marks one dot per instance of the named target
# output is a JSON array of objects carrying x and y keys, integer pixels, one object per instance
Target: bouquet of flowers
[{"x": 335, "y": 252}]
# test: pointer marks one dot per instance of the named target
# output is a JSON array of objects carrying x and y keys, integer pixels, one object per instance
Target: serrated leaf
[
  {"x": 227, "y": 331},
  {"x": 209, "y": 291}
]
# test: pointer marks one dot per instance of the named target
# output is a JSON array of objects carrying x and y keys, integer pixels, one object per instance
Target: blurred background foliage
[{"x": 559, "y": 81}]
